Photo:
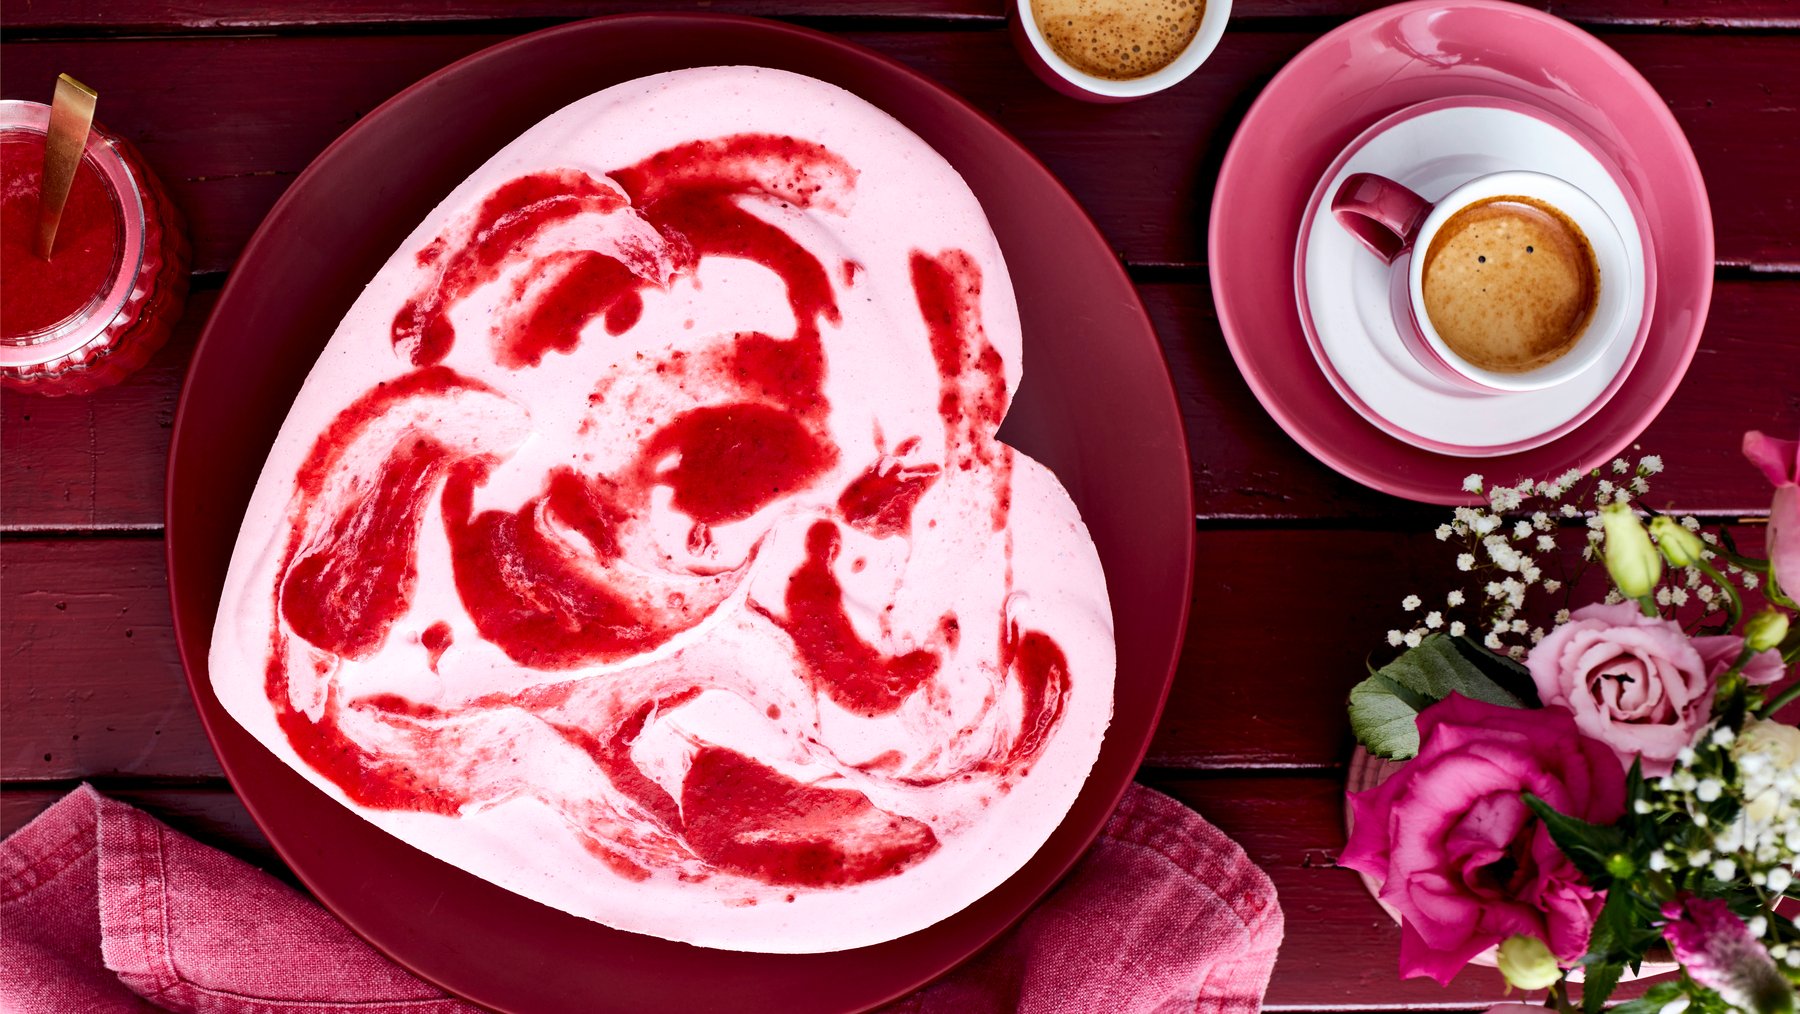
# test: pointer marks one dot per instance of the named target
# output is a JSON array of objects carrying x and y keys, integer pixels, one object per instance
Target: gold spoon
[{"x": 71, "y": 116}]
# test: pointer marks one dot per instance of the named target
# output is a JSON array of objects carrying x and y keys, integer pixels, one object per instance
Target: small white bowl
[{"x": 1061, "y": 75}]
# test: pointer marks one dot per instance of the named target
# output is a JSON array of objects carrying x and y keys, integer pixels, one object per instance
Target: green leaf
[
  {"x": 1506, "y": 672},
  {"x": 1587, "y": 845},
  {"x": 1384, "y": 708},
  {"x": 1654, "y": 1000},
  {"x": 1600, "y": 983}
]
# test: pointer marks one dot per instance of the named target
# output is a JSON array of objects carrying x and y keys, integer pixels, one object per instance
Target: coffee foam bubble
[{"x": 1118, "y": 39}]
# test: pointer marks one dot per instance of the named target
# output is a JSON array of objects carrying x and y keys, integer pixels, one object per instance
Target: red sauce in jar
[{"x": 39, "y": 293}]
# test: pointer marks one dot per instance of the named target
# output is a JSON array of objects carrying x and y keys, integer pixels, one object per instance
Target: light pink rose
[
  {"x": 1719, "y": 653},
  {"x": 1460, "y": 855},
  {"x": 1637, "y": 683},
  {"x": 1780, "y": 461}
]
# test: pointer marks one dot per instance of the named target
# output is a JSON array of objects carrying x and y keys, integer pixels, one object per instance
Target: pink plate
[
  {"x": 1096, "y": 407},
  {"x": 1366, "y": 70}
]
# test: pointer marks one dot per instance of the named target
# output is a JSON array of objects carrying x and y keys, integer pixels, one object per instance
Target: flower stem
[{"x": 1781, "y": 700}]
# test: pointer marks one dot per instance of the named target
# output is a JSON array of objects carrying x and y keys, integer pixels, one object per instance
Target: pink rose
[
  {"x": 1780, "y": 461},
  {"x": 1636, "y": 683},
  {"x": 1459, "y": 853}
]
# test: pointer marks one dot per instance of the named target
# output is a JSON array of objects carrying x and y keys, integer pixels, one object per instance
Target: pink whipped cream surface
[{"x": 641, "y": 542}]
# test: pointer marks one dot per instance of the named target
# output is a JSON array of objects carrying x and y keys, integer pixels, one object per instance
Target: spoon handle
[{"x": 71, "y": 115}]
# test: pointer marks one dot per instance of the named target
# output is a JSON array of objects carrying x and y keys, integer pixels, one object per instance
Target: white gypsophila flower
[
  {"x": 1723, "y": 736},
  {"x": 1485, "y": 524},
  {"x": 1529, "y": 571},
  {"x": 1562, "y": 616},
  {"x": 1444, "y": 532},
  {"x": 1472, "y": 483},
  {"x": 1641, "y": 807},
  {"x": 1553, "y": 585},
  {"x": 1703, "y": 857},
  {"x": 1458, "y": 628},
  {"x": 1640, "y": 486},
  {"x": 1756, "y": 924},
  {"x": 1516, "y": 652},
  {"x": 1604, "y": 487},
  {"x": 1493, "y": 643},
  {"x": 1708, "y": 791},
  {"x": 1692, "y": 577},
  {"x": 1651, "y": 463},
  {"x": 1569, "y": 510},
  {"x": 1621, "y": 496},
  {"x": 1664, "y": 595},
  {"x": 1521, "y": 529},
  {"x": 1691, "y": 523},
  {"x": 1659, "y": 861},
  {"x": 1465, "y": 561},
  {"x": 1705, "y": 592},
  {"x": 1520, "y": 626},
  {"x": 1537, "y": 635},
  {"x": 1779, "y": 880},
  {"x": 1723, "y": 869},
  {"x": 1709, "y": 538},
  {"x": 1620, "y": 466},
  {"x": 1546, "y": 543},
  {"x": 1395, "y": 638},
  {"x": 1679, "y": 596},
  {"x": 1595, "y": 522},
  {"x": 1434, "y": 619},
  {"x": 1411, "y": 602},
  {"x": 1751, "y": 581},
  {"x": 1685, "y": 757},
  {"x": 1675, "y": 1006},
  {"x": 1455, "y": 598},
  {"x": 1414, "y": 639},
  {"x": 1614, "y": 597}
]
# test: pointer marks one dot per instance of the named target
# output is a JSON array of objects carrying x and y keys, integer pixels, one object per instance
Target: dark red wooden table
[{"x": 1299, "y": 569}]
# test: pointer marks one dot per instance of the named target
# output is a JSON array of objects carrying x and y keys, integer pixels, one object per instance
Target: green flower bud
[
  {"x": 1527, "y": 963},
  {"x": 1632, "y": 561},
  {"x": 1620, "y": 865},
  {"x": 1766, "y": 630},
  {"x": 1679, "y": 546}
]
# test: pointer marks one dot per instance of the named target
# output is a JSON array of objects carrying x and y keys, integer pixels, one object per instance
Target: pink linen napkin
[{"x": 103, "y": 908}]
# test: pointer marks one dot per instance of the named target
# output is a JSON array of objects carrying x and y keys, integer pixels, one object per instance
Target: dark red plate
[{"x": 1096, "y": 406}]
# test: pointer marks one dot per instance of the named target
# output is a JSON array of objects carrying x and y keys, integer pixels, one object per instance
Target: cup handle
[{"x": 1383, "y": 215}]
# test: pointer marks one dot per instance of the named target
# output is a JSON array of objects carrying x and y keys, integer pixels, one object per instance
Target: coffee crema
[
  {"x": 1510, "y": 283},
  {"x": 1118, "y": 39}
]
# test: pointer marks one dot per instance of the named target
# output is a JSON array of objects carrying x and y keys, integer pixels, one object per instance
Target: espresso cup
[
  {"x": 1519, "y": 318},
  {"x": 1059, "y": 73}
]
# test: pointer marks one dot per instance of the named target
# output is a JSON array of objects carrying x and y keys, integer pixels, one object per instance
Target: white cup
[
  {"x": 1398, "y": 226},
  {"x": 1063, "y": 76}
]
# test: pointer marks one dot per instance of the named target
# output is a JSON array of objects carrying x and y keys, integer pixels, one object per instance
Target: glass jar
[{"x": 114, "y": 286}]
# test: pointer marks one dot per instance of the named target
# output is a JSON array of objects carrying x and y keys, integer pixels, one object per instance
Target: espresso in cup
[
  {"x": 1510, "y": 283},
  {"x": 1118, "y": 39}
]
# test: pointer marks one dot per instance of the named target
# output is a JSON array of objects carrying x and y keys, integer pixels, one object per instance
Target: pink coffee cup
[{"x": 1393, "y": 222}]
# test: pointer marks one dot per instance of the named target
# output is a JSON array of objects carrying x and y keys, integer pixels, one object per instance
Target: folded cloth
[{"x": 103, "y": 908}]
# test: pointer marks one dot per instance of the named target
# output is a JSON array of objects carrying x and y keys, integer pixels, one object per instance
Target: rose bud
[
  {"x": 1527, "y": 963},
  {"x": 1679, "y": 546},
  {"x": 1632, "y": 561}
]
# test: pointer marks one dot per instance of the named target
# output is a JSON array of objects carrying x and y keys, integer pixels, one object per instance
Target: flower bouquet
[{"x": 1609, "y": 786}]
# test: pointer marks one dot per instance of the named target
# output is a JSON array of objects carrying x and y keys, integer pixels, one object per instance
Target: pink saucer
[{"x": 1394, "y": 58}]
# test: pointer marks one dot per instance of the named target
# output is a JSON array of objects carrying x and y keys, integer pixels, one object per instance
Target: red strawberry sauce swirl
[{"x": 556, "y": 586}]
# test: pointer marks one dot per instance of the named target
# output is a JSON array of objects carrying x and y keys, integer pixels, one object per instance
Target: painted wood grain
[
  {"x": 238, "y": 15},
  {"x": 1282, "y": 625},
  {"x": 225, "y": 164},
  {"x": 96, "y": 463},
  {"x": 1340, "y": 948}
]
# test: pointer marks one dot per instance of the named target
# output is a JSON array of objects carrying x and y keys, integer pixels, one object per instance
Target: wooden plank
[
  {"x": 96, "y": 463},
  {"x": 227, "y": 160},
  {"x": 209, "y": 813},
  {"x": 238, "y": 15},
  {"x": 1340, "y": 949},
  {"x": 1283, "y": 622}
]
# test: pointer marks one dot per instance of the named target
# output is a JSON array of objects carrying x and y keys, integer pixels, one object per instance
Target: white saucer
[{"x": 1344, "y": 291}]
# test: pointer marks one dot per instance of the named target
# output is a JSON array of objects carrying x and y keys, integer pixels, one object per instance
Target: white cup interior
[
  {"x": 1620, "y": 286},
  {"x": 1212, "y": 28}
]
